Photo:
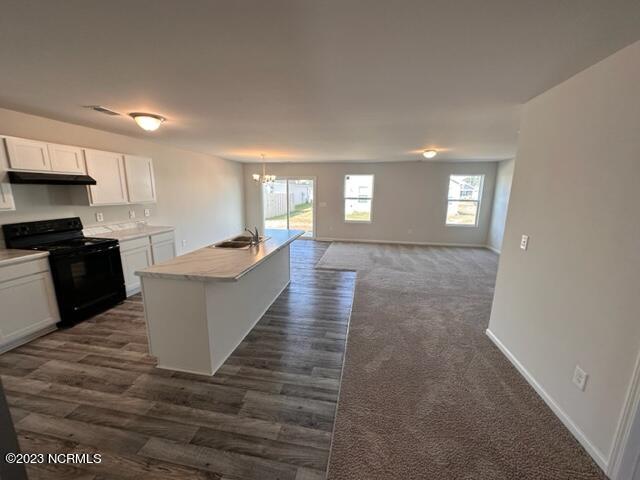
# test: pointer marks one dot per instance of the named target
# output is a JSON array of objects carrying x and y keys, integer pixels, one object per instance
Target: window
[
  {"x": 463, "y": 202},
  {"x": 358, "y": 197}
]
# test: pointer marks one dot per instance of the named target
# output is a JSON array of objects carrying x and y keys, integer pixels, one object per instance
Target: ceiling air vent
[{"x": 101, "y": 109}]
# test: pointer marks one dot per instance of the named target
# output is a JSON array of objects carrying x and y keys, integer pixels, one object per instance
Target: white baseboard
[
  {"x": 400, "y": 242},
  {"x": 595, "y": 453},
  {"x": 494, "y": 250},
  {"x": 133, "y": 291}
]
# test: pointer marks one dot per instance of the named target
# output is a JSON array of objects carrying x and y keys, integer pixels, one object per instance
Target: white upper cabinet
[
  {"x": 120, "y": 178},
  {"x": 140, "y": 180},
  {"x": 6, "y": 194},
  {"x": 66, "y": 158},
  {"x": 28, "y": 154},
  {"x": 107, "y": 169}
]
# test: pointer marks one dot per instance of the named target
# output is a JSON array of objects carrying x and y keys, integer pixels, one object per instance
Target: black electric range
[{"x": 87, "y": 272}]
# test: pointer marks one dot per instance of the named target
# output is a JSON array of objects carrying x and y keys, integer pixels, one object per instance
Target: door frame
[
  {"x": 314, "y": 179},
  {"x": 621, "y": 458}
]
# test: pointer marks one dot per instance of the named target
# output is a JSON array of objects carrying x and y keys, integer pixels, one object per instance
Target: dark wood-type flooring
[{"x": 268, "y": 413}]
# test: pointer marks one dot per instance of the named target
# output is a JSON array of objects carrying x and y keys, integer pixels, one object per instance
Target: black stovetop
[{"x": 56, "y": 236}]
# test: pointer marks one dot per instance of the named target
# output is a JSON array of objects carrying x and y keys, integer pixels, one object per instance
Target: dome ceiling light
[{"x": 147, "y": 121}]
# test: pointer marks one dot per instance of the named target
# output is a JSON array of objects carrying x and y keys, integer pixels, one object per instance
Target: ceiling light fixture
[
  {"x": 264, "y": 178},
  {"x": 147, "y": 121},
  {"x": 429, "y": 153}
]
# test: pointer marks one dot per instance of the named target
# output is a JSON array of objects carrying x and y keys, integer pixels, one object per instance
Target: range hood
[{"x": 40, "y": 178}]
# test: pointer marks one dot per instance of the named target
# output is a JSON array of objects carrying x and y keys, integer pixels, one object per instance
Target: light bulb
[{"x": 147, "y": 121}]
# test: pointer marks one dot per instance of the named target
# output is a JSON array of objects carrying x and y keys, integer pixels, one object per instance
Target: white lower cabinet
[
  {"x": 163, "y": 252},
  {"x": 140, "y": 253},
  {"x": 163, "y": 247},
  {"x": 29, "y": 306},
  {"x": 135, "y": 255}
]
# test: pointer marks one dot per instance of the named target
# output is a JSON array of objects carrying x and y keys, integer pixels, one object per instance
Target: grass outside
[
  {"x": 301, "y": 218},
  {"x": 460, "y": 213},
  {"x": 358, "y": 217}
]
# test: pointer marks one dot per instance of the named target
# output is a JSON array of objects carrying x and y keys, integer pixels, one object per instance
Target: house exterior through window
[{"x": 463, "y": 200}]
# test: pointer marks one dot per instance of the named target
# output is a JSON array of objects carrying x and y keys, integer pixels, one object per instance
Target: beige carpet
[{"x": 424, "y": 393}]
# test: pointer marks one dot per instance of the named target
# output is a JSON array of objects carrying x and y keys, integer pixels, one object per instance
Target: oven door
[{"x": 87, "y": 282}]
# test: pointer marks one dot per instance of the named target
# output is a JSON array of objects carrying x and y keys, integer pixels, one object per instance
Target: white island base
[{"x": 194, "y": 324}]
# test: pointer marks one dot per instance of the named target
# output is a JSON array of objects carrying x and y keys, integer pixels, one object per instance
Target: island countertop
[{"x": 221, "y": 264}]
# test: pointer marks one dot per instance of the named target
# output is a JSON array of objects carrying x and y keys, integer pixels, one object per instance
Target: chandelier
[{"x": 264, "y": 178}]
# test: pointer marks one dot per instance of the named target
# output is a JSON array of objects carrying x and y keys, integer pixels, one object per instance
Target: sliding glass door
[{"x": 288, "y": 204}]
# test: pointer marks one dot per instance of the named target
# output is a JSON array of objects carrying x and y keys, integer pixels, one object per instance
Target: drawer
[
  {"x": 162, "y": 237},
  {"x": 126, "y": 245},
  {"x": 23, "y": 269}
]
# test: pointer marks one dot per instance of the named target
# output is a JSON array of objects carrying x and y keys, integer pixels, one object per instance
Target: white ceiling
[{"x": 306, "y": 80}]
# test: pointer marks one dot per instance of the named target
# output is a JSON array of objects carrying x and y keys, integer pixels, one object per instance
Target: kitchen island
[{"x": 201, "y": 305}]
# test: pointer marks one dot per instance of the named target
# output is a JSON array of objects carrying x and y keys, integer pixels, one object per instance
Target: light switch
[
  {"x": 580, "y": 378},
  {"x": 147, "y": 212},
  {"x": 524, "y": 242},
  {"x": 322, "y": 204}
]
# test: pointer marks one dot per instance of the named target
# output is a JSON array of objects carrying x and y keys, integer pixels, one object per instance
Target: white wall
[
  {"x": 572, "y": 298},
  {"x": 199, "y": 194},
  {"x": 409, "y": 205},
  {"x": 504, "y": 177}
]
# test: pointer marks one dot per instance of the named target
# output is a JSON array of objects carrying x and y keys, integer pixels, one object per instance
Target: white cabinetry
[
  {"x": 6, "y": 193},
  {"x": 120, "y": 178},
  {"x": 135, "y": 255},
  {"x": 163, "y": 247},
  {"x": 107, "y": 169},
  {"x": 140, "y": 253},
  {"x": 29, "y": 306},
  {"x": 66, "y": 158},
  {"x": 27, "y": 154},
  {"x": 140, "y": 179}
]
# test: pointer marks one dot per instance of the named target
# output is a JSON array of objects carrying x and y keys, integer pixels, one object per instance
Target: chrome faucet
[{"x": 255, "y": 236}]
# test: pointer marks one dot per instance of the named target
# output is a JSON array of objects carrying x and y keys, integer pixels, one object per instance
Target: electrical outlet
[
  {"x": 147, "y": 212},
  {"x": 524, "y": 242},
  {"x": 410, "y": 231},
  {"x": 99, "y": 217},
  {"x": 580, "y": 378},
  {"x": 184, "y": 243},
  {"x": 132, "y": 214}
]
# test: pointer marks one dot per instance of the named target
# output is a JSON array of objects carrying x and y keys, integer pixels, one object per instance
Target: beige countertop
[
  {"x": 221, "y": 264},
  {"x": 128, "y": 233},
  {"x": 9, "y": 256}
]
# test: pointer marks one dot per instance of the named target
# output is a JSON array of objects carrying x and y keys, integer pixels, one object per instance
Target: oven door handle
[{"x": 86, "y": 253}]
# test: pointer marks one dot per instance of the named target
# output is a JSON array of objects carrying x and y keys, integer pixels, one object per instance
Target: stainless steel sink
[
  {"x": 240, "y": 242},
  {"x": 231, "y": 244},
  {"x": 246, "y": 238}
]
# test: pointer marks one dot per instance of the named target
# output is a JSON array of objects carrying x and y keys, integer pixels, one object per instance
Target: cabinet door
[
  {"x": 132, "y": 261},
  {"x": 28, "y": 305},
  {"x": 140, "y": 179},
  {"x": 163, "y": 251},
  {"x": 27, "y": 154},
  {"x": 6, "y": 194},
  {"x": 66, "y": 159},
  {"x": 108, "y": 171}
]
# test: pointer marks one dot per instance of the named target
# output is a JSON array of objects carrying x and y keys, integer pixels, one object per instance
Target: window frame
[
  {"x": 478, "y": 202},
  {"x": 345, "y": 198}
]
